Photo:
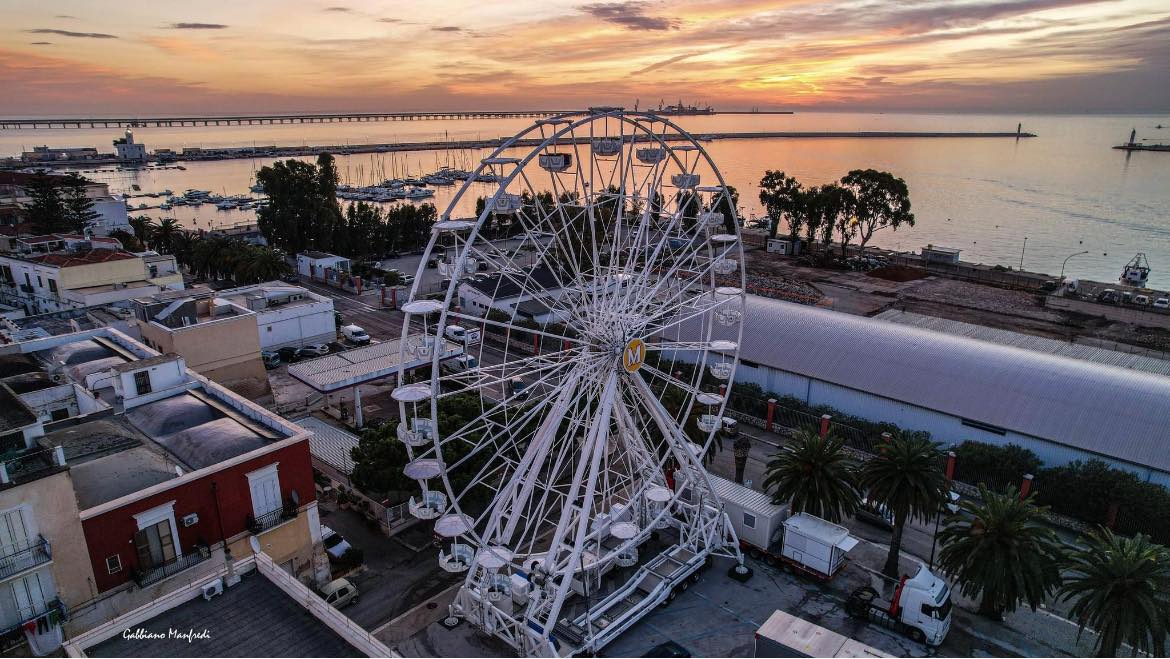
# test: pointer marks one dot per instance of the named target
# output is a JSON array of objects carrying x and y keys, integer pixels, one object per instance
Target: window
[
  {"x": 142, "y": 382},
  {"x": 155, "y": 544},
  {"x": 986, "y": 427},
  {"x": 749, "y": 520},
  {"x": 114, "y": 564},
  {"x": 27, "y": 281},
  {"x": 53, "y": 286},
  {"x": 156, "y": 541},
  {"x": 265, "y": 486},
  {"x": 59, "y": 414},
  {"x": 40, "y": 283}
]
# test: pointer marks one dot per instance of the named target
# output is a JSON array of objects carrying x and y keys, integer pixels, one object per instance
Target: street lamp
[{"x": 1066, "y": 262}]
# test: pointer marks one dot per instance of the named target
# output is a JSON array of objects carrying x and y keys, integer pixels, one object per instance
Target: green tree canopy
[
  {"x": 1120, "y": 588},
  {"x": 1001, "y": 551},
  {"x": 784, "y": 198},
  {"x": 813, "y": 475},
  {"x": 907, "y": 477},
  {"x": 883, "y": 200}
]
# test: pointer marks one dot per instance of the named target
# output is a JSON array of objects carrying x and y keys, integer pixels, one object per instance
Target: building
[
  {"x": 111, "y": 209},
  {"x": 216, "y": 337},
  {"x": 254, "y": 610},
  {"x": 55, "y": 272},
  {"x": 321, "y": 265},
  {"x": 934, "y": 254},
  {"x": 174, "y": 477},
  {"x": 958, "y": 388},
  {"x": 286, "y": 315},
  {"x": 512, "y": 293},
  {"x": 126, "y": 149},
  {"x": 45, "y": 154},
  {"x": 43, "y": 560}
]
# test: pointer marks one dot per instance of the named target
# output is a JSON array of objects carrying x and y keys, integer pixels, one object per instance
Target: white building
[
  {"x": 286, "y": 315},
  {"x": 512, "y": 293},
  {"x": 111, "y": 209},
  {"x": 316, "y": 264},
  {"x": 125, "y": 148},
  {"x": 959, "y": 388}
]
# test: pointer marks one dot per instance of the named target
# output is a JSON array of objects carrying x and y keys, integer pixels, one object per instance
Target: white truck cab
[{"x": 925, "y": 603}]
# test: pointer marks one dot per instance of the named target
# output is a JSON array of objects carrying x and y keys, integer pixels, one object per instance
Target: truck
[
  {"x": 784, "y": 635},
  {"x": 803, "y": 543},
  {"x": 355, "y": 335},
  {"x": 918, "y": 607}
]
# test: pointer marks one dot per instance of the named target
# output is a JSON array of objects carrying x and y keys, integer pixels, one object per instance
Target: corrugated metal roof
[
  {"x": 744, "y": 496},
  {"x": 1108, "y": 410},
  {"x": 1137, "y": 362},
  {"x": 330, "y": 444}
]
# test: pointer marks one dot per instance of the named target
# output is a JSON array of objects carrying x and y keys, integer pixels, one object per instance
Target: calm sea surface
[{"x": 1066, "y": 191}]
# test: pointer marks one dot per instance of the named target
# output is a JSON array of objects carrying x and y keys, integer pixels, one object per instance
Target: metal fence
[
  {"x": 172, "y": 567},
  {"x": 31, "y": 555}
]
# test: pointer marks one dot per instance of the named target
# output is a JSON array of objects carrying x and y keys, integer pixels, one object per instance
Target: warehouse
[{"x": 960, "y": 388}]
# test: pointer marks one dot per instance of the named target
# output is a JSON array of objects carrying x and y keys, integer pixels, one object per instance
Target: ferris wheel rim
[{"x": 477, "y": 224}]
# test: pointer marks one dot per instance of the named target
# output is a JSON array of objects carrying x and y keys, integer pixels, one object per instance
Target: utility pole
[{"x": 1022, "y": 252}]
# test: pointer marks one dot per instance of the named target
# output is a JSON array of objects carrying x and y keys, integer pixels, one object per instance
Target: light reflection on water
[{"x": 1066, "y": 190}]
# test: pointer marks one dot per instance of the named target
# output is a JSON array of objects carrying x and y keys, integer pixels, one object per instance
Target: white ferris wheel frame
[{"x": 628, "y": 404}]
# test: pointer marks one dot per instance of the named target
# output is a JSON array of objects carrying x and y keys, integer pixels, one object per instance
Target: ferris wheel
[{"x": 564, "y": 370}]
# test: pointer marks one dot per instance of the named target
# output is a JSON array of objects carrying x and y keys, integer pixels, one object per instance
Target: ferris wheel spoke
[
  {"x": 487, "y": 377},
  {"x": 482, "y": 320}
]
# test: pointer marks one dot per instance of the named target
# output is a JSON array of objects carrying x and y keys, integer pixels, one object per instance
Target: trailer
[
  {"x": 918, "y": 606},
  {"x": 784, "y": 635},
  {"x": 802, "y": 543}
]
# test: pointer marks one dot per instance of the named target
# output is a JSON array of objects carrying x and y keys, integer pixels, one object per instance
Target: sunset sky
[{"x": 69, "y": 57}]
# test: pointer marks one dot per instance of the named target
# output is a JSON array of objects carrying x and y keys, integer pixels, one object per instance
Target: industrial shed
[{"x": 959, "y": 388}]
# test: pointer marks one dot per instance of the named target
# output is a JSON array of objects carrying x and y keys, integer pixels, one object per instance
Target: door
[
  {"x": 265, "y": 493},
  {"x": 29, "y": 593},
  {"x": 13, "y": 533},
  {"x": 155, "y": 544}
]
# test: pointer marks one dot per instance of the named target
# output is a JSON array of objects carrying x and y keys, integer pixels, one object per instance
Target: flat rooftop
[
  {"x": 109, "y": 458},
  {"x": 254, "y": 618},
  {"x": 14, "y": 414},
  {"x": 345, "y": 369}
]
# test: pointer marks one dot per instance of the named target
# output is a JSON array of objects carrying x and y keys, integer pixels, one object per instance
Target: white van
[
  {"x": 355, "y": 335},
  {"x": 459, "y": 364},
  {"x": 462, "y": 334}
]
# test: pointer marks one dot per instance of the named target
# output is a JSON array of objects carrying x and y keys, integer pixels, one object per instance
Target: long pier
[{"x": 257, "y": 120}]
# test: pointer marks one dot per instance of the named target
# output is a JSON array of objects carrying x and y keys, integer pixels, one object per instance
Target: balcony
[
  {"x": 153, "y": 575},
  {"x": 36, "y": 553},
  {"x": 270, "y": 520},
  {"x": 11, "y": 625}
]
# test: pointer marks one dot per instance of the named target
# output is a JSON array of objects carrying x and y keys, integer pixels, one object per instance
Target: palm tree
[
  {"x": 1001, "y": 551},
  {"x": 164, "y": 235},
  {"x": 1121, "y": 589},
  {"x": 263, "y": 264},
  {"x": 143, "y": 228},
  {"x": 813, "y": 474},
  {"x": 906, "y": 476}
]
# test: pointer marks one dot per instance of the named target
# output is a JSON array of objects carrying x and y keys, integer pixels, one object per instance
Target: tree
[
  {"x": 1120, "y": 587},
  {"x": 784, "y": 198},
  {"x": 79, "y": 212},
  {"x": 262, "y": 264},
  {"x": 828, "y": 206},
  {"x": 813, "y": 475},
  {"x": 906, "y": 476},
  {"x": 883, "y": 200},
  {"x": 46, "y": 208},
  {"x": 128, "y": 240},
  {"x": 728, "y": 204},
  {"x": 143, "y": 228},
  {"x": 1001, "y": 551},
  {"x": 164, "y": 235}
]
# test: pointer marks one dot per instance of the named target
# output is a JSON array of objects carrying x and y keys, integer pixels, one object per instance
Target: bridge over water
[{"x": 257, "y": 119}]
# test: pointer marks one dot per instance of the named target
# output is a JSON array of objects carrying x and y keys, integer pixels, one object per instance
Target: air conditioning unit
[
  {"x": 212, "y": 589},
  {"x": 191, "y": 519}
]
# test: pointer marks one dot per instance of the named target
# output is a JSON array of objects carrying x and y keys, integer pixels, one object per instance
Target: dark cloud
[
  {"x": 446, "y": 28},
  {"x": 198, "y": 26},
  {"x": 41, "y": 43},
  {"x": 629, "y": 15},
  {"x": 67, "y": 33},
  {"x": 338, "y": 10}
]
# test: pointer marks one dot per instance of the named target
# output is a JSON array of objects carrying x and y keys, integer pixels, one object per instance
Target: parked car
[
  {"x": 334, "y": 346},
  {"x": 355, "y": 335},
  {"x": 407, "y": 280},
  {"x": 668, "y": 649},
  {"x": 1162, "y": 303},
  {"x": 875, "y": 513},
  {"x": 1143, "y": 300},
  {"x": 432, "y": 263},
  {"x": 291, "y": 278},
  {"x": 312, "y": 350},
  {"x": 335, "y": 544},
  {"x": 271, "y": 359},
  {"x": 289, "y": 354},
  {"x": 339, "y": 593},
  {"x": 1108, "y": 296}
]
